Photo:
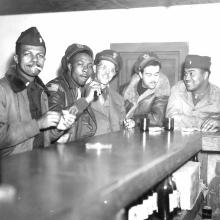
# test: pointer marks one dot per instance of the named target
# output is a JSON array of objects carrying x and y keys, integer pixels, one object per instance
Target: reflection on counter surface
[{"x": 67, "y": 181}]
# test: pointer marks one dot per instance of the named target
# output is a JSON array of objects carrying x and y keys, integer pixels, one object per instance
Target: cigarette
[{"x": 39, "y": 68}]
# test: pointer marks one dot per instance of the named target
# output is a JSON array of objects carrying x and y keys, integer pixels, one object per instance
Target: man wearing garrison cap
[
  {"x": 148, "y": 91},
  {"x": 68, "y": 92},
  {"x": 23, "y": 98},
  {"x": 194, "y": 102},
  {"x": 109, "y": 106}
]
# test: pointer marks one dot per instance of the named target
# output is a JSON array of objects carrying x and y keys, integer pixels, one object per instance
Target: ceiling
[{"x": 8, "y": 7}]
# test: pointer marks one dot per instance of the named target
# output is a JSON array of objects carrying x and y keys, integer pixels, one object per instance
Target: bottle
[
  {"x": 174, "y": 198},
  {"x": 195, "y": 158},
  {"x": 163, "y": 191},
  {"x": 206, "y": 213}
]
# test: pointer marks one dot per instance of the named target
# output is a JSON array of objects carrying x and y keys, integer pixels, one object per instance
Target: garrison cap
[
  {"x": 196, "y": 61},
  {"x": 31, "y": 36},
  {"x": 144, "y": 59},
  {"x": 112, "y": 56}
]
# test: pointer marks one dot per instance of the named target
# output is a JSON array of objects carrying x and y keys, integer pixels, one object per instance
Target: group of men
[{"x": 80, "y": 103}]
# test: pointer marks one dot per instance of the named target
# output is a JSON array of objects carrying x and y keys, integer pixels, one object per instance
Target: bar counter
[{"x": 69, "y": 181}]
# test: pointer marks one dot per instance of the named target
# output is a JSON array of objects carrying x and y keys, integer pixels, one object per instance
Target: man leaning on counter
[
  {"x": 24, "y": 115},
  {"x": 194, "y": 102}
]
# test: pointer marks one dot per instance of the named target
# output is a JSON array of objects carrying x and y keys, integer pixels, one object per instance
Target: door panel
[{"x": 172, "y": 56}]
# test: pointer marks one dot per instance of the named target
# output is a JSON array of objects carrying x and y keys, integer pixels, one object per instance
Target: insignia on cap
[
  {"x": 114, "y": 55},
  {"x": 146, "y": 56},
  {"x": 79, "y": 45},
  {"x": 190, "y": 62},
  {"x": 40, "y": 39}
]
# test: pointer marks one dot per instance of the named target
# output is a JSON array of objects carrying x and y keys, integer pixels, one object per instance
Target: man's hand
[
  {"x": 49, "y": 119},
  {"x": 129, "y": 123},
  {"x": 210, "y": 125},
  {"x": 66, "y": 120},
  {"x": 93, "y": 88}
]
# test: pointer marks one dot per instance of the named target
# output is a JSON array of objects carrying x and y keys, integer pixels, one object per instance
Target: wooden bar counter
[{"x": 69, "y": 181}]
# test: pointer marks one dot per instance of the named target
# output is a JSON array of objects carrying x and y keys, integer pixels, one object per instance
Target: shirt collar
[
  {"x": 140, "y": 88},
  {"x": 69, "y": 80}
]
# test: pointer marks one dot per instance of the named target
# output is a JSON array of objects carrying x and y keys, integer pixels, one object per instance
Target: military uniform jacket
[
  {"x": 185, "y": 113},
  {"x": 152, "y": 102},
  {"x": 63, "y": 95},
  {"x": 110, "y": 114},
  {"x": 17, "y": 128}
]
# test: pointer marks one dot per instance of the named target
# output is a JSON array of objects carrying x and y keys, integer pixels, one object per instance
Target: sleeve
[
  {"x": 12, "y": 134},
  {"x": 175, "y": 110},
  {"x": 158, "y": 110},
  {"x": 123, "y": 113},
  {"x": 128, "y": 91},
  {"x": 57, "y": 102}
]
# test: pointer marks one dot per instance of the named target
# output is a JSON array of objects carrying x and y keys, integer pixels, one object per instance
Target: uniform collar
[
  {"x": 70, "y": 82},
  {"x": 140, "y": 88},
  {"x": 207, "y": 99},
  {"x": 18, "y": 83}
]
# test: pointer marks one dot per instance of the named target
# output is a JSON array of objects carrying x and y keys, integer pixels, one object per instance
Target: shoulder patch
[{"x": 52, "y": 87}]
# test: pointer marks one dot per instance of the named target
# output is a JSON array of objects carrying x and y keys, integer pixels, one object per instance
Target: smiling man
[
  {"x": 68, "y": 92},
  {"x": 24, "y": 116},
  {"x": 195, "y": 102},
  {"x": 148, "y": 91},
  {"x": 109, "y": 106}
]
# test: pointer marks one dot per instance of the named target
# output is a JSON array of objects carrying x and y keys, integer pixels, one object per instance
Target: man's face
[
  {"x": 193, "y": 78},
  {"x": 150, "y": 76},
  {"x": 105, "y": 71},
  {"x": 81, "y": 68},
  {"x": 30, "y": 59}
]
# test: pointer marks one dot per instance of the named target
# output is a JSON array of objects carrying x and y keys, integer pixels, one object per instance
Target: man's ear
[
  {"x": 94, "y": 68},
  {"x": 140, "y": 74},
  {"x": 16, "y": 58},
  {"x": 69, "y": 66},
  {"x": 206, "y": 75}
]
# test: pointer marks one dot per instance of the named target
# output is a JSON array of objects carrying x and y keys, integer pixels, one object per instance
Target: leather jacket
[
  {"x": 63, "y": 95},
  {"x": 152, "y": 102},
  {"x": 17, "y": 128}
]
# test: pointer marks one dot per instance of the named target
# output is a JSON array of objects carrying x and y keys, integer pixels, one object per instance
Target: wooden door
[{"x": 172, "y": 56}]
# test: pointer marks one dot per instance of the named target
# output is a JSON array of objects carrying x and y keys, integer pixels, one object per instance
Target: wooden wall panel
[{"x": 172, "y": 56}]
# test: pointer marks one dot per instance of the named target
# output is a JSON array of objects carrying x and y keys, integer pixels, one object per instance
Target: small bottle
[
  {"x": 144, "y": 125},
  {"x": 195, "y": 158},
  {"x": 174, "y": 198},
  {"x": 206, "y": 213},
  {"x": 163, "y": 191}
]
